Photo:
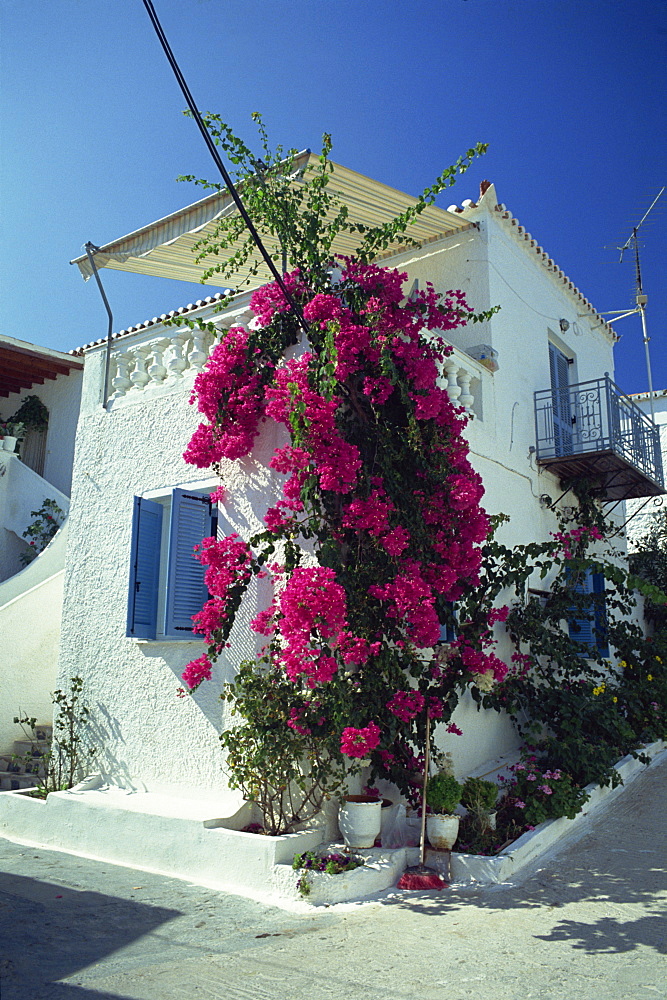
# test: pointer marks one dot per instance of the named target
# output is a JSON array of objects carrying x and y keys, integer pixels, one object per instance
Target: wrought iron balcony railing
[{"x": 593, "y": 429}]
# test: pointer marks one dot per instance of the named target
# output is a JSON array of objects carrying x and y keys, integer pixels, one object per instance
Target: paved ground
[{"x": 589, "y": 923}]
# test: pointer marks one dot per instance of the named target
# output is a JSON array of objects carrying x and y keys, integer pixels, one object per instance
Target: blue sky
[{"x": 570, "y": 96}]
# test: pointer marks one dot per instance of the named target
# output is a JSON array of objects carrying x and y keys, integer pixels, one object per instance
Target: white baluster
[
  {"x": 453, "y": 387},
  {"x": 156, "y": 371},
  {"x": 139, "y": 376},
  {"x": 120, "y": 381},
  {"x": 198, "y": 355},
  {"x": 466, "y": 398},
  {"x": 177, "y": 364}
]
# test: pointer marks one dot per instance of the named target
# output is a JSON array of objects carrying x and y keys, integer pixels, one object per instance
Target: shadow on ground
[
  {"x": 49, "y": 932},
  {"x": 589, "y": 871}
]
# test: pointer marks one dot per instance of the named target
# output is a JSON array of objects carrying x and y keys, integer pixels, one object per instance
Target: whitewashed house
[
  {"x": 536, "y": 379},
  {"x": 41, "y": 469}
]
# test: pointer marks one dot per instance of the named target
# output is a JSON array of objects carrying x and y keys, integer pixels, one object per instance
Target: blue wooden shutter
[
  {"x": 144, "y": 569},
  {"x": 191, "y": 520},
  {"x": 560, "y": 397}
]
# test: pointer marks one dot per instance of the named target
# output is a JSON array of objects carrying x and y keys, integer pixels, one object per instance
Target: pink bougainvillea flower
[
  {"x": 405, "y": 705},
  {"x": 359, "y": 742},
  {"x": 196, "y": 672}
]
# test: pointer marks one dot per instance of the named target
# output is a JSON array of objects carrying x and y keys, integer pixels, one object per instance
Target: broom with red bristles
[{"x": 421, "y": 876}]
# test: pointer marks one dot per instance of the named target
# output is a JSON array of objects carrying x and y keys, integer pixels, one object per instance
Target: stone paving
[{"x": 588, "y": 922}]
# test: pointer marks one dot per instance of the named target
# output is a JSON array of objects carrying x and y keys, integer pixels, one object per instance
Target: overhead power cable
[{"x": 217, "y": 159}]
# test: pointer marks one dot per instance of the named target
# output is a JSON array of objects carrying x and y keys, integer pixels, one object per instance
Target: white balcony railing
[{"x": 164, "y": 359}]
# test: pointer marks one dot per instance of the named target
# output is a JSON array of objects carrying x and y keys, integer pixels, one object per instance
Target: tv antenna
[{"x": 641, "y": 299}]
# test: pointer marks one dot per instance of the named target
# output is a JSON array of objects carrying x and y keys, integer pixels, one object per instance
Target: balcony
[{"x": 592, "y": 429}]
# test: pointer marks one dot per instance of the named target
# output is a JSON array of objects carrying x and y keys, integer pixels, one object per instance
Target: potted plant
[
  {"x": 12, "y": 431},
  {"x": 443, "y": 794},
  {"x": 360, "y": 820},
  {"x": 479, "y": 798},
  {"x": 32, "y": 415}
]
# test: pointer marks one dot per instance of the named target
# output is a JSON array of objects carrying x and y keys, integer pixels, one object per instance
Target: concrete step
[{"x": 11, "y": 782}]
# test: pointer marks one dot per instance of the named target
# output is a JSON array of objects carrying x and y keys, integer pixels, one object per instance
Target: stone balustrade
[
  {"x": 165, "y": 358},
  {"x": 463, "y": 382}
]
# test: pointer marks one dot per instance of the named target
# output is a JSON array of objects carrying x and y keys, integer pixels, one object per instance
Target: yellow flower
[
  {"x": 623, "y": 664},
  {"x": 658, "y": 660},
  {"x": 598, "y": 690},
  {"x": 614, "y": 699},
  {"x": 649, "y": 677}
]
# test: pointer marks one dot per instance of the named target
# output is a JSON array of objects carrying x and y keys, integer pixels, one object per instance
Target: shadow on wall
[
  {"x": 207, "y": 697},
  {"x": 84, "y": 927},
  {"x": 102, "y": 731}
]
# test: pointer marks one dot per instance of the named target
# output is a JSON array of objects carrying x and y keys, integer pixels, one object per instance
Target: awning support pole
[{"x": 91, "y": 249}]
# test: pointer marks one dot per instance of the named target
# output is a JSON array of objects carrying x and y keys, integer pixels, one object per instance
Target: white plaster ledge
[
  {"x": 475, "y": 868},
  {"x": 380, "y": 871},
  {"x": 202, "y": 841}
]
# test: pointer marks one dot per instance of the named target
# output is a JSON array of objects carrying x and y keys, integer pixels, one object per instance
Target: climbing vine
[{"x": 379, "y": 527}]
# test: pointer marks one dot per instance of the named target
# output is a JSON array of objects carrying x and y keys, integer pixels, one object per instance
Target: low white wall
[
  {"x": 21, "y": 491},
  {"x": 30, "y": 629}
]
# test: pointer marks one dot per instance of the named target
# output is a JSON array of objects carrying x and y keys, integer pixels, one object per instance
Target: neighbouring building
[
  {"x": 37, "y": 468},
  {"x": 641, "y": 513}
]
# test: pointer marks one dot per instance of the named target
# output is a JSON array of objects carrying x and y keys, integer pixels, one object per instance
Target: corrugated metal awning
[{"x": 166, "y": 248}]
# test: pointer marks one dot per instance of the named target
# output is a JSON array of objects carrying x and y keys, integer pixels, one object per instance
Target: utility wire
[{"x": 219, "y": 164}]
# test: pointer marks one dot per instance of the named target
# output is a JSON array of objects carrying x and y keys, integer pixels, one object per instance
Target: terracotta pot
[{"x": 360, "y": 820}]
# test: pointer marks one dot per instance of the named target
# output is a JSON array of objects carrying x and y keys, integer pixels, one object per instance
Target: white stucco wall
[{"x": 150, "y": 738}]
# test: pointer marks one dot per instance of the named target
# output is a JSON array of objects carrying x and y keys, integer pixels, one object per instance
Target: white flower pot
[
  {"x": 442, "y": 830},
  {"x": 8, "y": 443},
  {"x": 360, "y": 820}
]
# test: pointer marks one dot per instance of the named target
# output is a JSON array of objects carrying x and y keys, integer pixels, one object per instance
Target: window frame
[{"x": 166, "y": 526}]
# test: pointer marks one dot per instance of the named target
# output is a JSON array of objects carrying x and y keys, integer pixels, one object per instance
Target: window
[
  {"x": 448, "y": 630},
  {"x": 166, "y": 581},
  {"x": 588, "y": 625}
]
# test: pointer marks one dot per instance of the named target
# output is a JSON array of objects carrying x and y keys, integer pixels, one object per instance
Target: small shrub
[{"x": 443, "y": 793}]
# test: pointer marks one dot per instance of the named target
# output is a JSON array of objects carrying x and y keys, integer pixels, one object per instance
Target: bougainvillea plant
[{"x": 378, "y": 528}]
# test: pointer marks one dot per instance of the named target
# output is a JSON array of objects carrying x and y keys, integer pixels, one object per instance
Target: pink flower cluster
[
  {"x": 196, "y": 672},
  {"x": 310, "y": 614},
  {"x": 360, "y": 742},
  {"x": 229, "y": 394},
  {"x": 334, "y": 460},
  {"x": 406, "y": 704},
  {"x": 228, "y": 561},
  {"x": 576, "y": 537},
  {"x": 480, "y": 661},
  {"x": 373, "y": 516},
  {"x": 412, "y": 600}
]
